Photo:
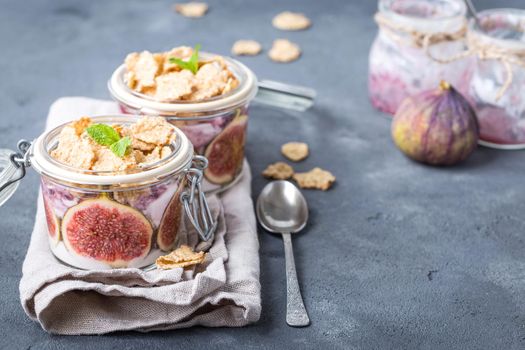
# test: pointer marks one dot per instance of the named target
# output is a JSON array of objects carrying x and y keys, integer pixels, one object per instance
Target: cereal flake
[
  {"x": 175, "y": 85},
  {"x": 246, "y": 48},
  {"x": 181, "y": 257},
  {"x": 108, "y": 161},
  {"x": 182, "y": 52},
  {"x": 295, "y": 151},
  {"x": 192, "y": 9},
  {"x": 284, "y": 51},
  {"x": 144, "y": 68},
  {"x": 291, "y": 21},
  {"x": 278, "y": 171},
  {"x": 153, "y": 130},
  {"x": 316, "y": 178}
]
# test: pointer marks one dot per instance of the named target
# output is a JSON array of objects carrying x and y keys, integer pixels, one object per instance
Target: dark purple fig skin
[{"x": 436, "y": 127}]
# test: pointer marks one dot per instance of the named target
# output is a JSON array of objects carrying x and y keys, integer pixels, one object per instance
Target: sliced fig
[
  {"x": 170, "y": 222},
  {"x": 53, "y": 224},
  {"x": 106, "y": 231},
  {"x": 226, "y": 153}
]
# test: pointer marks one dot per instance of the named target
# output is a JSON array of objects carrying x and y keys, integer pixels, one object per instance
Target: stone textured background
[{"x": 397, "y": 255}]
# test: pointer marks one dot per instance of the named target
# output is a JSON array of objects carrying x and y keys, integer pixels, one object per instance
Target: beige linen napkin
[{"x": 225, "y": 291}]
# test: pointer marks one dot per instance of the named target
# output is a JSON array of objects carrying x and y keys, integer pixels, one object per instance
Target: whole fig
[{"x": 437, "y": 127}]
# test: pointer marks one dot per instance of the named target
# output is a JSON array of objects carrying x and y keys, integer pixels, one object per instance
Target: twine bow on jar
[
  {"x": 487, "y": 51},
  {"x": 417, "y": 38},
  {"x": 475, "y": 46}
]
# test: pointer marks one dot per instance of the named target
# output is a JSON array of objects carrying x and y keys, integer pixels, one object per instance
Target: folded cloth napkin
[{"x": 225, "y": 291}]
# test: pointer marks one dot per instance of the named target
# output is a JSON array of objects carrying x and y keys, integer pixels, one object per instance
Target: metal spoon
[
  {"x": 472, "y": 9},
  {"x": 281, "y": 208}
]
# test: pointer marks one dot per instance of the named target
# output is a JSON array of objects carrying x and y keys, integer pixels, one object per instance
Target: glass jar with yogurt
[
  {"x": 497, "y": 42},
  {"x": 107, "y": 219},
  {"x": 216, "y": 126},
  {"x": 411, "y": 51}
]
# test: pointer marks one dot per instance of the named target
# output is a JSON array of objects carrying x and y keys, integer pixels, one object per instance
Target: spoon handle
[{"x": 296, "y": 315}]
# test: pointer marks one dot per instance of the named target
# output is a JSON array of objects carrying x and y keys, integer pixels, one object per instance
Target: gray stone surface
[{"x": 397, "y": 255}]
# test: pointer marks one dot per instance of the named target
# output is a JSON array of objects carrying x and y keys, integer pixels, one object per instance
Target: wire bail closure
[
  {"x": 195, "y": 202},
  {"x": 20, "y": 160}
]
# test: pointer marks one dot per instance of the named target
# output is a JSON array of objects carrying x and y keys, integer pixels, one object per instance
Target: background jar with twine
[
  {"x": 412, "y": 34},
  {"x": 497, "y": 84}
]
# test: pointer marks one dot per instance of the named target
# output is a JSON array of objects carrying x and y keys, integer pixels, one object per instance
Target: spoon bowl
[{"x": 281, "y": 207}]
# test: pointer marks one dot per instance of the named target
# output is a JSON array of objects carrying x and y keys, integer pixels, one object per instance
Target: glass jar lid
[{"x": 41, "y": 160}]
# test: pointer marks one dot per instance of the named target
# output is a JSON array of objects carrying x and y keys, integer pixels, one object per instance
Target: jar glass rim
[
  {"x": 455, "y": 9},
  {"x": 485, "y": 19}
]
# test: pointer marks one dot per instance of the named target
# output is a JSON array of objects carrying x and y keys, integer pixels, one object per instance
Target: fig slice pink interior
[
  {"x": 106, "y": 231},
  {"x": 170, "y": 223},
  {"x": 53, "y": 224},
  {"x": 226, "y": 153}
]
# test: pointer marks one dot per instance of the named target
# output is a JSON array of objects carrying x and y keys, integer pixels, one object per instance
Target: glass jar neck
[
  {"x": 425, "y": 16},
  {"x": 501, "y": 28}
]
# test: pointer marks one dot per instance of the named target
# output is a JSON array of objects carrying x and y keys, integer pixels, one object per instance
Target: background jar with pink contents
[
  {"x": 413, "y": 36},
  {"x": 216, "y": 126},
  {"x": 497, "y": 41}
]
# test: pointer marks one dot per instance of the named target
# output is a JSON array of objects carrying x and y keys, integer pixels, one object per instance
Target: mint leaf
[
  {"x": 192, "y": 64},
  {"x": 121, "y": 146},
  {"x": 103, "y": 134}
]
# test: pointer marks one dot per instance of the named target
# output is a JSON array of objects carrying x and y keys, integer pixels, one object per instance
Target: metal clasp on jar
[
  {"x": 19, "y": 160},
  {"x": 195, "y": 202}
]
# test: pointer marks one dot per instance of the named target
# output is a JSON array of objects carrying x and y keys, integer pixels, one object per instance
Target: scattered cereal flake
[
  {"x": 181, "y": 257},
  {"x": 278, "y": 171},
  {"x": 316, "y": 178},
  {"x": 154, "y": 130},
  {"x": 295, "y": 151},
  {"x": 284, "y": 51},
  {"x": 175, "y": 85},
  {"x": 192, "y": 9},
  {"x": 144, "y": 67},
  {"x": 291, "y": 21},
  {"x": 246, "y": 47}
]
